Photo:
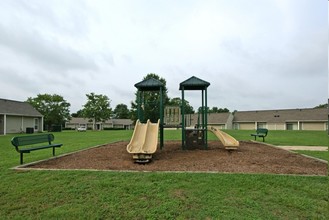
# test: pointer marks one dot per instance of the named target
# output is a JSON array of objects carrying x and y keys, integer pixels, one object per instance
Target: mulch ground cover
[{"x": 249, "y": 158}]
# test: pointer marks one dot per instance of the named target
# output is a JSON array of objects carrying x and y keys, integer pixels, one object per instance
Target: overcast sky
[{"x": 256, "y": 54}]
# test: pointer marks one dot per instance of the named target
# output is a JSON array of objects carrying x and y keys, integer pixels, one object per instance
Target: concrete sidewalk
[{"x": 310, "y": 148}]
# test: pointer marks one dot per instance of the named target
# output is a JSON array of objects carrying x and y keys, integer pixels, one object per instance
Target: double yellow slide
[
  {"x": 144, "y": 141},
  {"x": 229, "y": 142}
]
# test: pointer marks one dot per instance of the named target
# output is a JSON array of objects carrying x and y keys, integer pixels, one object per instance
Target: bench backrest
[
  {"x": 32, "y": 139},
  {"x": 262, "y": 131}
]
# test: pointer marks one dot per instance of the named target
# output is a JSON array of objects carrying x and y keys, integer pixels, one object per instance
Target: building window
[
  {"x": 261, "y": 124},
  {"x": 36, "y": 124},
  {"x": 291, "y": 126}
]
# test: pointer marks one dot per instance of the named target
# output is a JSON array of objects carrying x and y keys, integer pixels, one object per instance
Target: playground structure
[
  {"x": 145, "y": 137},
  {"x": 150, "y": 85},
  {"x": 229, "y": 142},
  {"x": 144, "y": 141},
  {"x": 197, "y": 136}
]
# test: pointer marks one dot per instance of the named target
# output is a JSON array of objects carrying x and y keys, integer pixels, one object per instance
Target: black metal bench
[
  {"x": 26, "y": 144},
  {"x": 260, "y": 132}
]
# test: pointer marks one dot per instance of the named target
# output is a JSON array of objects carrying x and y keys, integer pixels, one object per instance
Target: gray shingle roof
[
  {"x": 10, "y": 107},
  {"x": 213, "y": 118},
  {"x": 218, "y": 117},
  {"x": 276, "y": 116},
  {"x": 110, "y": 121}
]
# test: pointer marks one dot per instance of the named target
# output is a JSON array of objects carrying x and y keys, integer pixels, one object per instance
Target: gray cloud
[
  {"x": 43, "y": 51},
  {"x": 260, "y": 57}
]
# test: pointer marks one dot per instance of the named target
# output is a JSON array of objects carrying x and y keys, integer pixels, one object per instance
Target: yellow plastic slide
[
  {"x": 229, "y": 142},
  {"x": 144, "y": 141}
]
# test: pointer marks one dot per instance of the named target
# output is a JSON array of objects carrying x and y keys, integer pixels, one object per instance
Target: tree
[
  {"x": 97, "y": 108},
  {"x": 178, "y": 102},
  {"x": 121, "y": 111},
  {"x": 78, "y": 114},
  {"x": 151, "y": 108},
  {"x": 322, "y": 106},
  {"x": 54, "y": 108},
  {"x": 218, "y": 110}
]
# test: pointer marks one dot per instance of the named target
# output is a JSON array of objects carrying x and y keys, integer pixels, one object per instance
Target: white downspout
[{"x": 41, "y": 124}]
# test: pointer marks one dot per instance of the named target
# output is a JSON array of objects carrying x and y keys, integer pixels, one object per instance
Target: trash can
[
  {"x": 56, "y": 128},
  {"x": 29, "y": 130}
]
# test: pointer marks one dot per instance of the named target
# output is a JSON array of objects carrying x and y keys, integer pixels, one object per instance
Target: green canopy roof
[
  {"x": 149, "y": 85},
  {"x": 194, "y": 83}
]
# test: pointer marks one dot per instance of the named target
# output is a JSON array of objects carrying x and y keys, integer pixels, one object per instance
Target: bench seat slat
[
  {"x": 26, "y": 144},
  {"x": 259, "y": 135},
  {"x": 32, "y": 139},
  {"x": 27, "y": 150}
]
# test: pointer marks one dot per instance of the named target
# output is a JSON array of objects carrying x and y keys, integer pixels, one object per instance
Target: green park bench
[
  {"x": 260, "y": 132},
  {"x": 26, "y": 144}
]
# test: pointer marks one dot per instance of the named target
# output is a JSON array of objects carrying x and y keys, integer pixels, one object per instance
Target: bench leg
[
  {"x": 263, "y": 139},
  {"x": 21, "y": 158}
]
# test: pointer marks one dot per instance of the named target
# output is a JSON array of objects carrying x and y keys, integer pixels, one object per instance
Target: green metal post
[
  {"x": 203, "y": 109},
  {"x": 198, "y": 125},
  {"x": 206, "y": 120},
  {"x": 203, "y": 119},
  {"x": 139, "y": 105},
  {"x": 183, "y": 120},
  {"x": 161, "y": 119},
  {"x": 144, "y": 107}
]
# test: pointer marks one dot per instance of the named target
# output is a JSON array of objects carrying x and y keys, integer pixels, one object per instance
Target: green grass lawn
[
  {"x": 293, "y": 138},
  {"x": 137, "y": 195},
  {"x": 324, "y": 155}
]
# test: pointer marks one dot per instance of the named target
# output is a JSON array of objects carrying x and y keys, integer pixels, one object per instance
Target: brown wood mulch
[{"x": 249, "y": 158}]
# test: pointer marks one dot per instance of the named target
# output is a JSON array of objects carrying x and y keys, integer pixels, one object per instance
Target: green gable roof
[
  {"x": 149, "y": 85},
  {"x": 194, "y": 83}
]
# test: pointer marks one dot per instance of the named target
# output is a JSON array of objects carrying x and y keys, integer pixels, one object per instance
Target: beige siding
[
  {"x": 246, "y": 126},
  {"x": 218, "y": 126},
  {"x": 276, "y": 126},
  {"x": 107, "y": 125},
  {"x": 17, "y": 124},
  {"x": 313, "y": 126},
  {"x": 71, "y": 125},
  {"x": 29, "y": 123},
  {"x": 14, "y": 124}
]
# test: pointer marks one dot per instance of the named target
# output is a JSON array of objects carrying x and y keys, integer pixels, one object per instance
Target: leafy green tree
[
  {"x": 151, "y": 105},
  {"x": 54, "y": 108},
  {"x": 178, "y": 102},
  {"x": 322, "y": 106},
  {"x": 97, "y": 108},
  {"x": 121, "y": 111},
  {"x": 78, "y": 114},
  {"x": 218, "y": 110},
  {"x": 215, "y": 110}
]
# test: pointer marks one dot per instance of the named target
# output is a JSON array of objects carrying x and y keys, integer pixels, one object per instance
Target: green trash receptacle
[{"x": 29, "y": 130}]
